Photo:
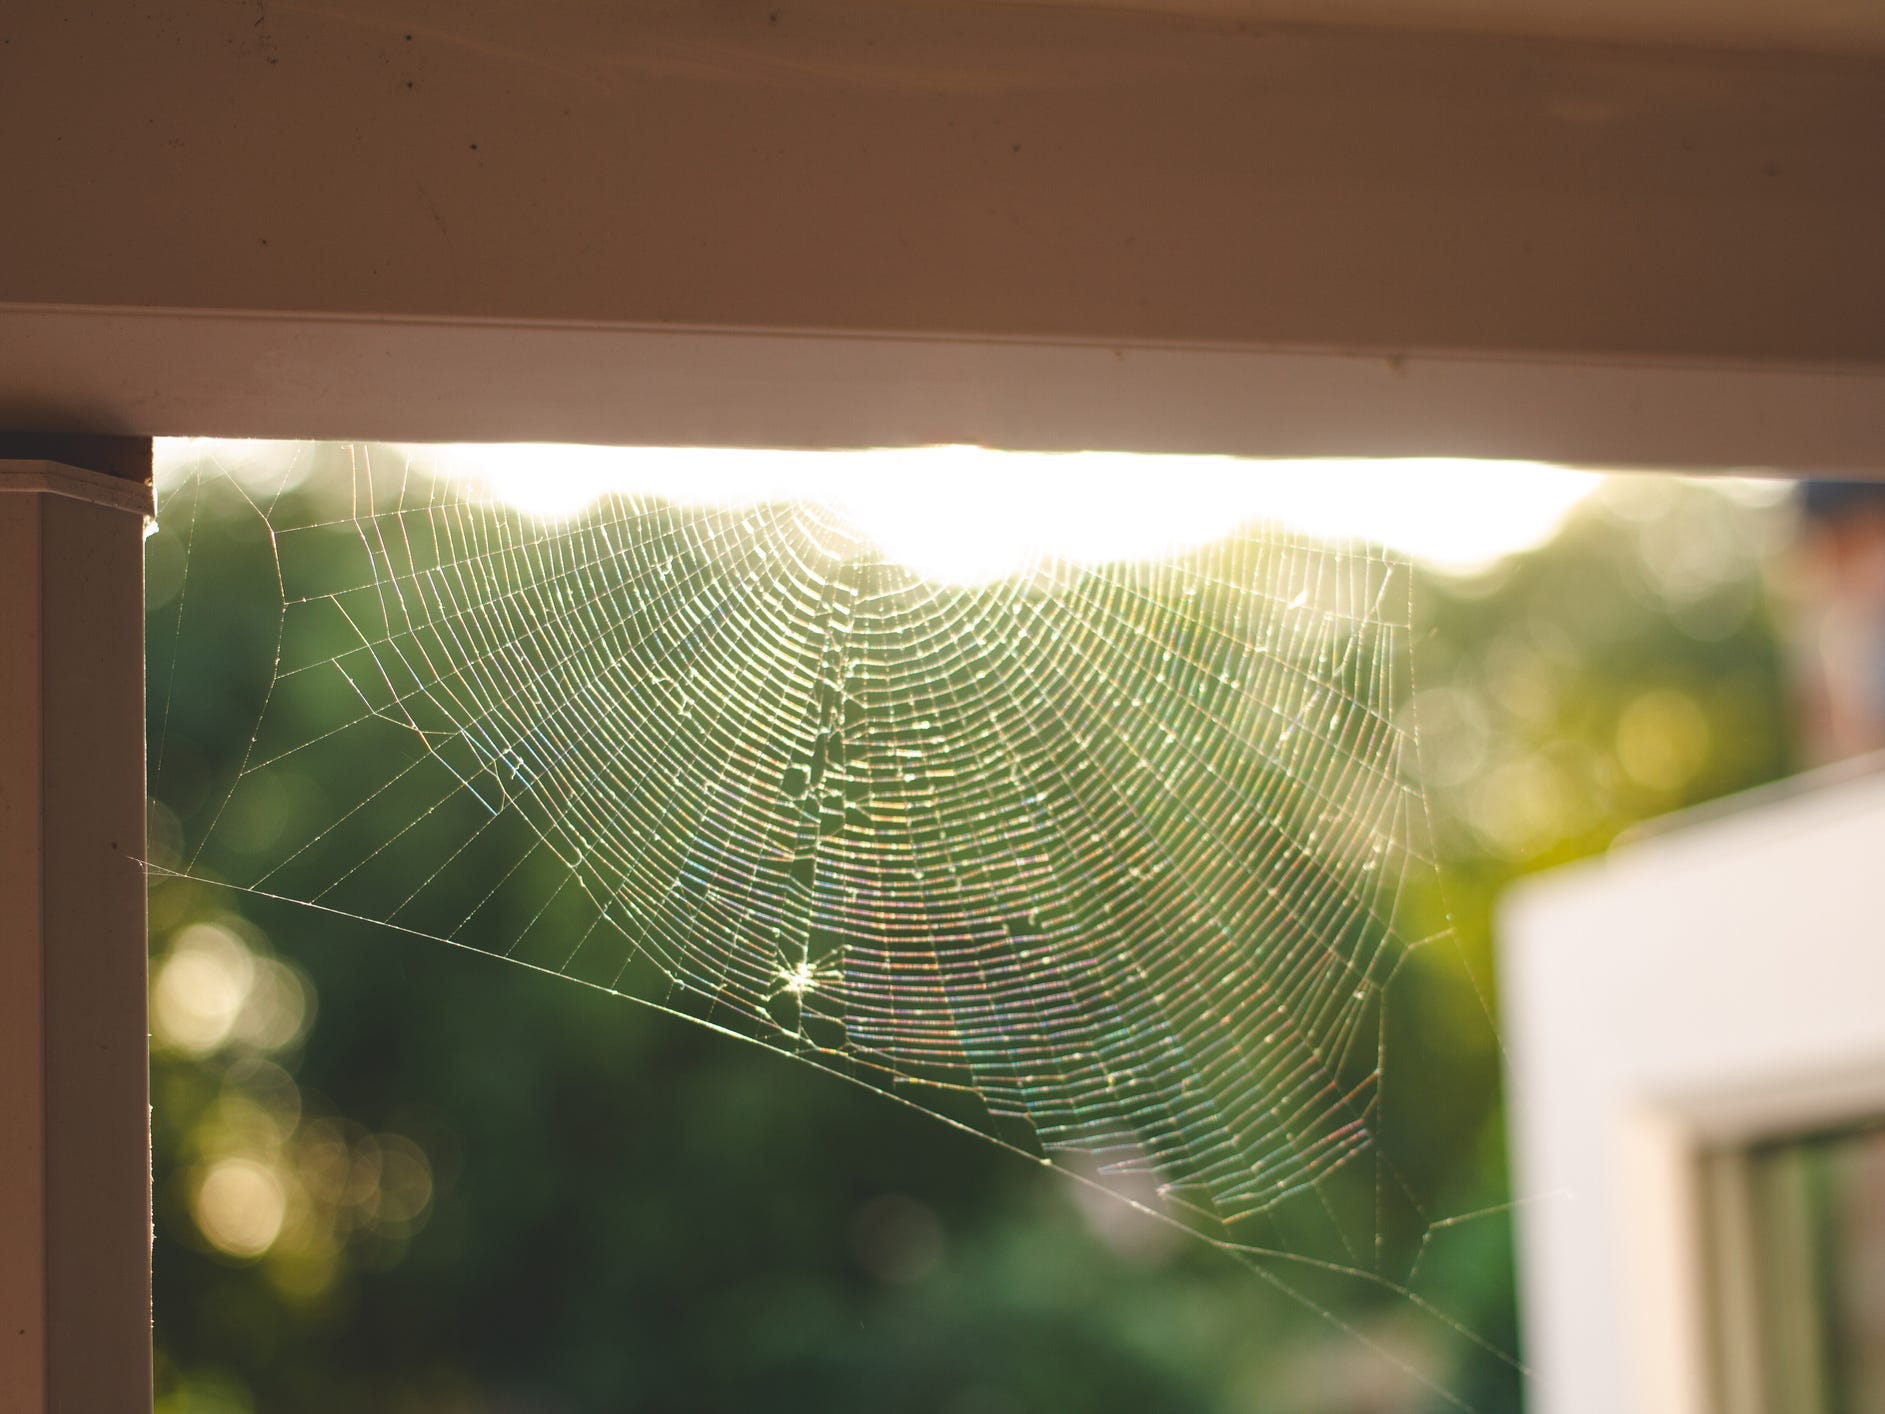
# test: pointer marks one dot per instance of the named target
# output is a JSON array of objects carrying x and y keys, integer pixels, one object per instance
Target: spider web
[{"x": 1111, "y": 862}]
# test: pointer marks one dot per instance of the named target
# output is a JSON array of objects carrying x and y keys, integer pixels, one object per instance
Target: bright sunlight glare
[{"x": 965, "y": 515}]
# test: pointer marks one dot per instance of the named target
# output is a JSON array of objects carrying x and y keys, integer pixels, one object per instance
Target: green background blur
[{"x": 392, "y": 1175}]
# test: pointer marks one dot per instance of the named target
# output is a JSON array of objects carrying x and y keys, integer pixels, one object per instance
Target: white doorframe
[{"x": 75, "y": 1233}]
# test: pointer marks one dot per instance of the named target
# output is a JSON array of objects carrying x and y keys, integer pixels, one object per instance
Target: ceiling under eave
[{"x": 1820, "y": 26}]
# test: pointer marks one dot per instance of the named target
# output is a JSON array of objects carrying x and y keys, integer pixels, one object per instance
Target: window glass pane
[{"x": 1819, "y": 1213}]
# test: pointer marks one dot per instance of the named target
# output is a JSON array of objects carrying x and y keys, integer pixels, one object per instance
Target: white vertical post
[{"x": 75, "y": 1232}]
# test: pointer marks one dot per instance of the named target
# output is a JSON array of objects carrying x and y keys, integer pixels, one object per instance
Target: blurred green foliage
[{"x": 393, "y": 1176}]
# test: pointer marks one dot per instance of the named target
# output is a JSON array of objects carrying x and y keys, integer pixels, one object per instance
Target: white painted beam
[
  {"x": 992, "y": 198},
  {"x": 75, "y": 1232},
  {"x": 178, "y": 373}
]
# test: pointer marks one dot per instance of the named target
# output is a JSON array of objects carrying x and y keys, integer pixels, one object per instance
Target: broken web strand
[{"x": 1117, "y": 852}]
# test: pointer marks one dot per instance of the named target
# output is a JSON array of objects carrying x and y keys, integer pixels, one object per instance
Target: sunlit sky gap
[{"x": 966, "y": 515}]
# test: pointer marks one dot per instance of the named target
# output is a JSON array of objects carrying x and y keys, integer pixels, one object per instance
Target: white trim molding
[
  {"x": 75, "y": 1209},
  {"x": 178, "y": 372}
]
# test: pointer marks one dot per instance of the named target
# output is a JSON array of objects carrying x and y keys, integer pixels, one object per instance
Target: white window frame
[{"x": 1694, "y": 993}]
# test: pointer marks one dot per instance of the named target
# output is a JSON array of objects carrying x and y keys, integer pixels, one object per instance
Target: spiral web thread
[{"x": 1108, "y": 861}]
